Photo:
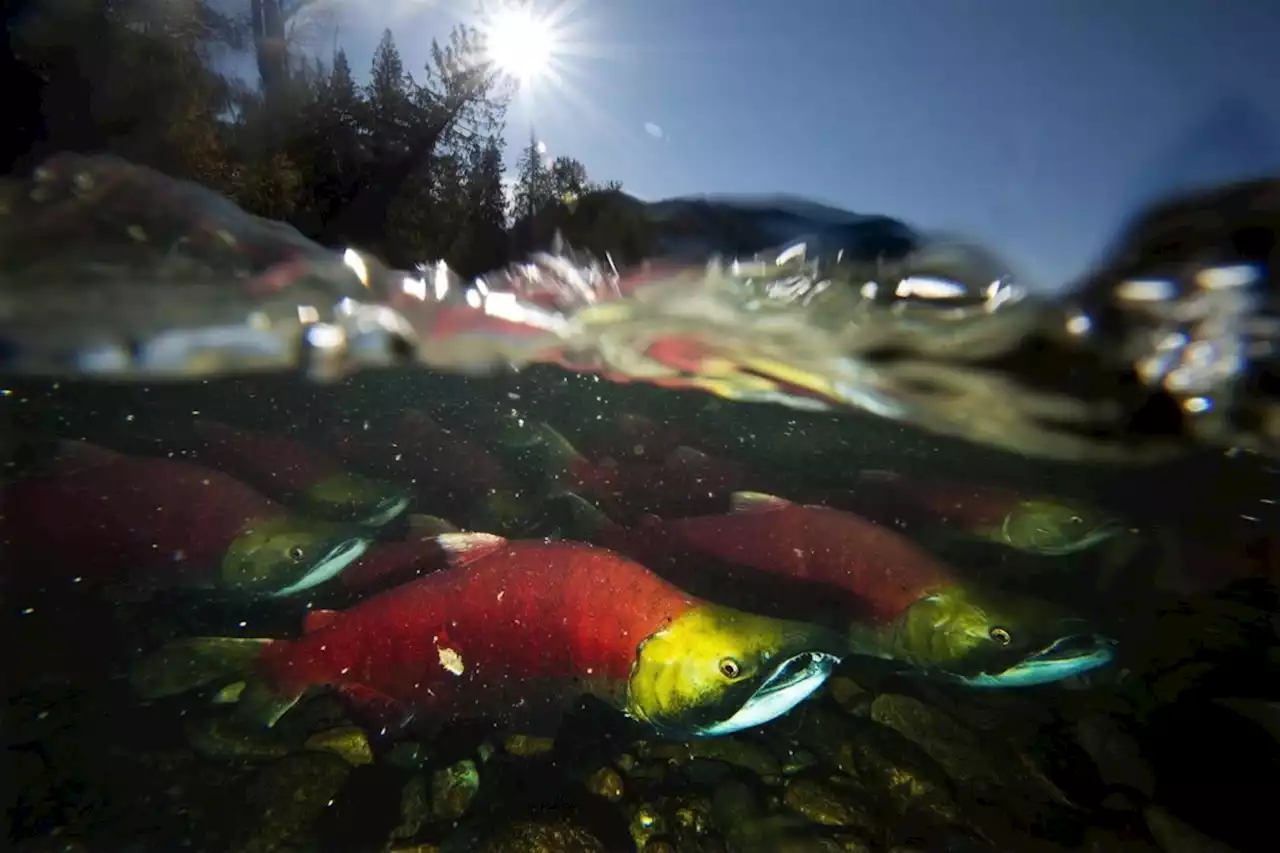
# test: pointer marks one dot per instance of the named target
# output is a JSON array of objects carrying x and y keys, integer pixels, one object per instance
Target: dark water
[
  {"x": 1171, "y": 746},
  {"x": 726, "y": 525}
]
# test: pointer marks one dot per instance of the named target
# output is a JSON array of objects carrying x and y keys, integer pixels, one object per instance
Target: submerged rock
[
  {"x": 693, "y": 817},
  {"x": 415, "y": 807},
  {"x": 850, "y": 695},
  {"x": 1265, "y": 714},
  {"x": 1174, "y": 836},
  {"x": 740, "y": 816},
  {"x": 1117, "y": 756},
  {"x": 224, "y": 738},
  {"x": 527, "y": 746},
  {"x": 883, "y": 762},
  {"x": 647, "y": 821},
  {"x": 734, "y": 751},
  {"x": 606, "y": 782},
  {"x": 453, "y": 789},
  {"x": 535, "y": 837},
  {"x": 954, "y": 747},
  {"x": 288, "y": 796},
  {"x": 350, "y": 743},
  {"x": 830, "y": 800},
  {"x": 985, "y": 770}
]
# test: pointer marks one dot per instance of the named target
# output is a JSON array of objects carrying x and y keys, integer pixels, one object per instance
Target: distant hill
[{"x": 694, "y": 228}]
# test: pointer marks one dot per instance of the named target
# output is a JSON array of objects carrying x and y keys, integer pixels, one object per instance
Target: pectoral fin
[
  {"x": 261, "y": 705},
  {"x": 193, "y": 662},
  {"x": 378, "y": 711}
]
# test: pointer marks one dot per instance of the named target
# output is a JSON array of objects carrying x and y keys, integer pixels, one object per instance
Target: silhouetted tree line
[{"x": 408, "y": 166}]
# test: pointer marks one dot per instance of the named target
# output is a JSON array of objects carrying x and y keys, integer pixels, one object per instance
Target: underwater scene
[
  {"x": 360, "y": 491},
  {"x": 547, "y": 612}
]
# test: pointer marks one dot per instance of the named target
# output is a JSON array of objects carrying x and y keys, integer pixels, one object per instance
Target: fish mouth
[
  {"x": 1067, "y": 656},
  {"x": 342, "y": 554},
  {"x": 1095, "y": 537},
  {"x": 790, "y": 683},
  {"x": 386, "y": 511}
]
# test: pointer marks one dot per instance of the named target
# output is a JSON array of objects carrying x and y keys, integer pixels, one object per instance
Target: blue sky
[{"x": 1033, "y": 126}]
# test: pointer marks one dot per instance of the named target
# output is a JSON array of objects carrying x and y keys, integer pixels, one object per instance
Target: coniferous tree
[
  {"x": 484, "y": 240},
  {"x": 409, "y": 166},
  {"x": 568, "y": 179},
  {"x": 534, "y": 188}
]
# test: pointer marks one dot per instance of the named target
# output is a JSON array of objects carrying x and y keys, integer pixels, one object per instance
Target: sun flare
[{"x": 520, "y": 42}]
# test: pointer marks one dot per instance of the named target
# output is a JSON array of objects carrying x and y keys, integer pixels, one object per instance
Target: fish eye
[
  {"x": 296, "y": 554},
  {"x": 730, "y": 668},
  {"x": 1000, "y": 636}
]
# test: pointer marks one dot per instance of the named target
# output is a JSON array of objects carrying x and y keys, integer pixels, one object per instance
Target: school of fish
[{"x": 504, "y": 572}]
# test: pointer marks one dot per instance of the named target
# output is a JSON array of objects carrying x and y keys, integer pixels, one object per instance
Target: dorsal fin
[
  {"x": 429, "y": 526},
  {"x": 212, "y": 429},
  {"x": 756, "y": 502},
  {"x": 879, "y": 475},
  {"x": 73, "y": 450},
  {"x": 685, "y": 456},
  {"x": 418, "y": 418},
  {"x": 464, "y": 548},
  {"x": 580, "y": 518},
  {"x": 631, "y": 422},
  {"x": 317, "y": 620}
]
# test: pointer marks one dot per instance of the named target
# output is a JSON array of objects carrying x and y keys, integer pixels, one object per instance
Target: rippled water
[
  {"x": 1168, "y": 344},
  {"x": 1036, "y": 526}
]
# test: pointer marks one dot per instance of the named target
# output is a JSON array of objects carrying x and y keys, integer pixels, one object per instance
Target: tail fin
[
  {"x": 552, "y": 458},
  {"x": 191, "y": 663},
  {"x": 578, "y": 518},
  {"x": 263, "y": 706}
]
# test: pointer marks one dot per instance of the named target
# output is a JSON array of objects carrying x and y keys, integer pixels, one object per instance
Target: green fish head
[
  {"x": 1055, "y": 527},
  {"x": 285, "y": 554},
  {"x": 351, "y": 497},
  {"x": 989, "y": 638},
  {"x": 715, "y": 670},
  {"x": 506, "y": 513}
]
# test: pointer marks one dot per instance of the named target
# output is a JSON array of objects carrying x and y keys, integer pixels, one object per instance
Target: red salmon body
[
  {"x": 891, "y": 498},
  {"x": 686, "y": 482},
  {"x": 441, "y": 465},
  {"x": 515, "y": 633},
  {"x": 272, "y": 463},
  {"x": 293, "y": 473},
  {"x": 389, "y": 563},
  {"x": 102, "y": 516},
  {"x": 635, "y": 437},
  {"x": 880, "y": 571},
  {"x": 523, "y": 629}
]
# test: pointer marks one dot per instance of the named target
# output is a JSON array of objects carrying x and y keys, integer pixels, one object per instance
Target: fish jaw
[
  {"x": 1035, "y": 526},
  {"x": 351, "y": 497},
  {"x": 1094, "y": 537},
  {"x": 988, "y": 638},
  {"x": 283, "y": 555},
  {"x": 714, "y": 670},
  {"x": 1064, "y": 658},
  {"x": 795, "y": 680},
  {"x": 387, "y": 511},
  {"x": 333, "y": 563}
]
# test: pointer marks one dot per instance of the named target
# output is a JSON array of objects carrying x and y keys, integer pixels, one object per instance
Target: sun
[{"x": 522, "y": 43}]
